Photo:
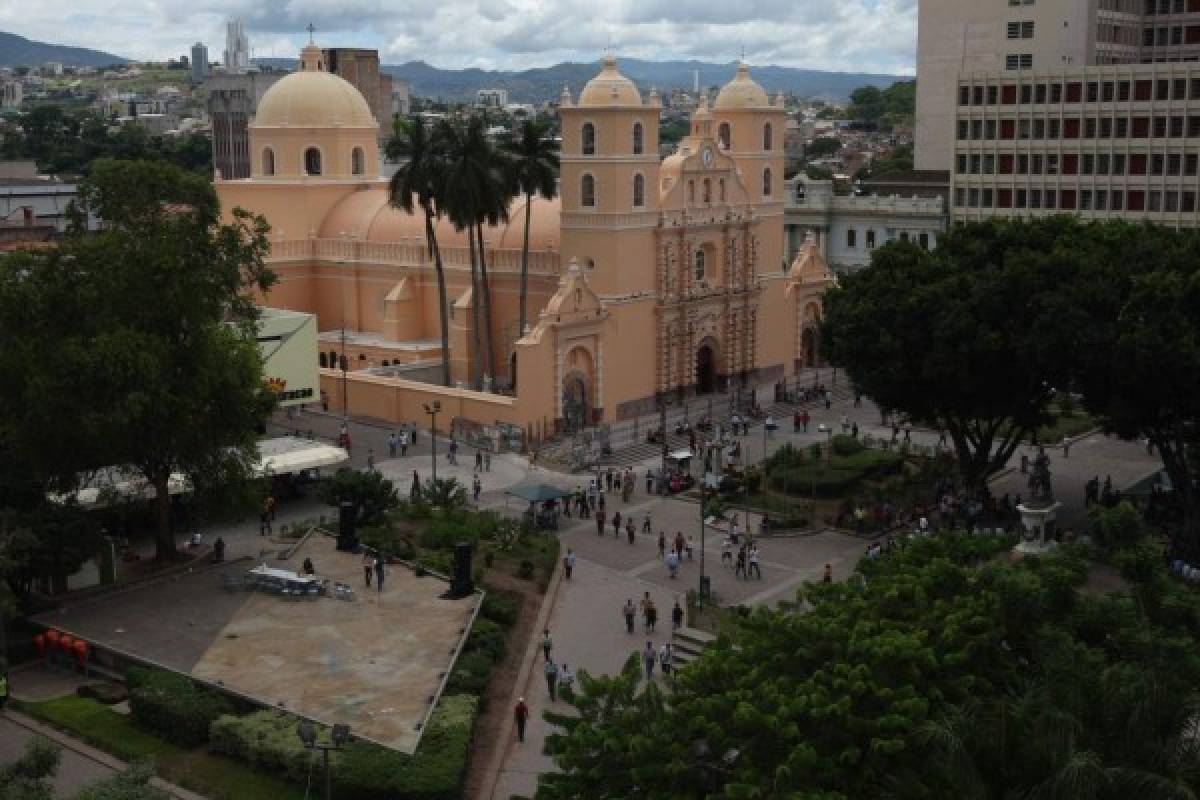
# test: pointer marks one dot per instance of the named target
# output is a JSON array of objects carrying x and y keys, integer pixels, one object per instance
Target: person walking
[
  {"x": 648, "y": 659},
  {"x": 551, "y": 671},
  {"x": 754, "y": 568},
  {"x": 629, "y": 611},
  {"x": 368, "y": 565},
  {"x": 393, "y": 444},
  {"x": 476, "y": 488},
  {"x": 646, "y": 529},
  {"x": 804, "y": 418},
  {"x": 402, "y": 441},
  {"x": 600, "y": 522},
  {"x": 672, "y": 563},
  {"x": 726, "y": 552},
  {"x": 487, "y": 460},
  {"x": 740, "y": 569},
  {"x": 566, "y": 678},
  {"x": 521, "y": 716},
  {"x": 478, "y": 460},
  {"x": 664, "y": 659},
  {"x": 676, "y": 616},
  {"x": 616, "y": 520},
  {"x": 651, "y": 616},
  {"x": 370, "y": 459},
  {"x": 629, "y": 530},
  {"x": 662, "y": 544},
  {"x": 569, "y": 563},
  {"x": 1066, "y": 445},
  {"x": 828, "y": 576},
  {"x": 379, "y": 573},
  {"x": 547, "y": 643}
]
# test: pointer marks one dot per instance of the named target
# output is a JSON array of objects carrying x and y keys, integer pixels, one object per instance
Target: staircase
[{"x": 688, "y": 644}]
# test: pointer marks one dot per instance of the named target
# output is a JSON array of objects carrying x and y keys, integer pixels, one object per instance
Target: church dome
[
  {"x": 742, "y": 92},
  {"x": 313, "y": 98},
  {"x": 610, "y": 88}
]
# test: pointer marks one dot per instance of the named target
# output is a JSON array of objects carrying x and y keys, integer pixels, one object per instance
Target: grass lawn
[
  {"x": 1071, "y": 424},
  {"x": 216, "y": 776}
]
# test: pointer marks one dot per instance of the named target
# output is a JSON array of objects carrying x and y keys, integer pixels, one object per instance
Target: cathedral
[{"x": 648, "y": 277}]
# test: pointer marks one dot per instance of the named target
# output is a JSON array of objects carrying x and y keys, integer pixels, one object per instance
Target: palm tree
[
  {"x": 532, "y": 169},
  {"x": 493, "y": 210},
  {"x": 465, "y": 192},
  {"x": 418, "y": 183}
]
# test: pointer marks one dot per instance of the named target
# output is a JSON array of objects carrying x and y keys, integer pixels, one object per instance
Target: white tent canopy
[{"x": 282, "y": 456}]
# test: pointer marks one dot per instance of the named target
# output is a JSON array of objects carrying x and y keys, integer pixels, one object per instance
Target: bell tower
[{"x": 610, "y": 181}]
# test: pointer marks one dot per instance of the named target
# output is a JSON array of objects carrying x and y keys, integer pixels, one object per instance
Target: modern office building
[
  {"x": 491, "y": 98},
  {"x": 232, "y": 101},
  {"x": 237, "y": 47},
  {"x": 1040, "y": 106},
  {"x": 199, "y": 62},
  {"x": 360, "y": 68}
]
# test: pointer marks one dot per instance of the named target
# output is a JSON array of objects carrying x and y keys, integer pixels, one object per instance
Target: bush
[
  {"x": 365, "y": 771},
  {"x": 836, "y": 478},
  {"x": 471, "y": 674},
  {"x": 500, "y": 607},
  {"x": 486, "y": 637},
  {"x": 846, "y": 446},
  {"x": 525, "y": 570},
  {"x": 266, "y": 739},
  {"x": 174, "y": 707},
  {"x": 1119, "y": 527}
]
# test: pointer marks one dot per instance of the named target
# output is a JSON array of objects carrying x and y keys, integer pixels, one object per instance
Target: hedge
[
  {"x": 362, "y": 771},
  {"x": 801, "y": 477},
  {"x": 172, "y": 706},
  {"x": 501, "y": 607}
]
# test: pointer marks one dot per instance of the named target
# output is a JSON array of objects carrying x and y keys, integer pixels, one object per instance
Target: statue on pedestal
[{"x": 1040, "y": 489}]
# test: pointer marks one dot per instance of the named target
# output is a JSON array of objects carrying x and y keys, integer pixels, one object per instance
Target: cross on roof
[{"x": 310, "y": 30}]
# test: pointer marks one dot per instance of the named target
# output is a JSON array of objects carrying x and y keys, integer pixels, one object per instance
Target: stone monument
[{"x": 1039, "y": 512}]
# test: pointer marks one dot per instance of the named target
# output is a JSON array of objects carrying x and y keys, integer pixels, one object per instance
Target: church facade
[{"x": 648, "y": 277}]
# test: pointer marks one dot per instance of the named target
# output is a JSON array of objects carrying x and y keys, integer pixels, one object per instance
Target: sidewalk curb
[
  {"x": 487, "y": 787},
  {"x": 87, "y": 751}
]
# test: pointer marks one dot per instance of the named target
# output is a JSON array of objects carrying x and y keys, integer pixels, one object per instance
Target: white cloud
[{"x": 847, "y": 35}]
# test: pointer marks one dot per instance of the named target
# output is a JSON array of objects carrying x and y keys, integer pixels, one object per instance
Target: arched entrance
[
  {"x": 576, "y": 409},
  {"x": 706, "y": 367},
  {"x": 808, "y": 347}
]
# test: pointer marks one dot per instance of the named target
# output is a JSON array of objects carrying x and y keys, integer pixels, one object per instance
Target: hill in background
[
  {"x": 545, "y": 83},
  {"x": 18, "y": 51}
]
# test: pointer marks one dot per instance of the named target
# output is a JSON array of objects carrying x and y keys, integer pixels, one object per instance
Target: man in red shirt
[
  {"x": 520, "y": 716},
  {"x": 804, "y": 420}
]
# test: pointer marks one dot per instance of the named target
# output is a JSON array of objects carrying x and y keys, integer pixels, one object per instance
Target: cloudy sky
[{"x": 847, "y": 35}]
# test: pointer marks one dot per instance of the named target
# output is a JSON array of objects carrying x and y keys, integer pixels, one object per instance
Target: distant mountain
[
  {"x": 17, "y": 51},
  {"x": 538, "y": 85}
]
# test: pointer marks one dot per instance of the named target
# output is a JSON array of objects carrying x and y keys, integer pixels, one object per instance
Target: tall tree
[
  {"x": 469, "y": 188},
  {"x": 417, "y": 183},
  {"x": 146, "y": 353},
  {"x": 972, "y": 338},
  {"x": 532, "y": 171},
  {"x": 494, "y": 212}
]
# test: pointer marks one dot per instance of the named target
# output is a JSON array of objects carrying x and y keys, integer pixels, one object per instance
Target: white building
[
  {"x": 849, "y": 228},
  {"x": 237, "y": 47},
  {"x": 491, "y": 98},
  {"x": 11, "y": 94}
]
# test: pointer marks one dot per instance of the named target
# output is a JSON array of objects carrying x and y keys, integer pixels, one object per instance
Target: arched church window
[
  {"x": 724, "y": 135},
  {"x": 312, "y": 161},
  {"x": 268, "y": 161},
  {"x": 589, "y": 139},
  {"x": 767, "y": 182},
  {"x": 639, "y": 191},
  {"x": 637, "y": 139},
  {"x": 357, "y": 161},
  {"x": 698, "y": 261},
  {"x": 322, "y": 360},
  {"x": 721, "y": 189},
  {"x": 591, "y": 263},
  {"x": 587, "y": 192},
  {"x": 768, "y": 137},
  {"x": 707, "y": 191},
  {"x": 691, "y": 192}
]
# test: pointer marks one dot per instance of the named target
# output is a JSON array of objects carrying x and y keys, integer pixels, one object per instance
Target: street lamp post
[
  {"x": 344, "y": 363},
  {"x": 433, "y": 411},
  {"x": 338, "y": 737},
  {"x": 703, "y": 527}
]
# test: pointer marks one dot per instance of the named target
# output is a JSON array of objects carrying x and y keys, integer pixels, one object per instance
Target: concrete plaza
[{"x": 375, "y": 663}]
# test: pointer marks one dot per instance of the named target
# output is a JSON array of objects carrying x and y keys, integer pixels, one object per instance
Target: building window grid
[{"x": 1095, "y": 129}]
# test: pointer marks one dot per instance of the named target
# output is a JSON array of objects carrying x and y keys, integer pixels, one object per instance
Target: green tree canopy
[
  {"x": 137, "y": 346},
  {"x": 822, "y": 146},
  {"x": 971, "y": 338},
  {"x": 942, "y": 673}
]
